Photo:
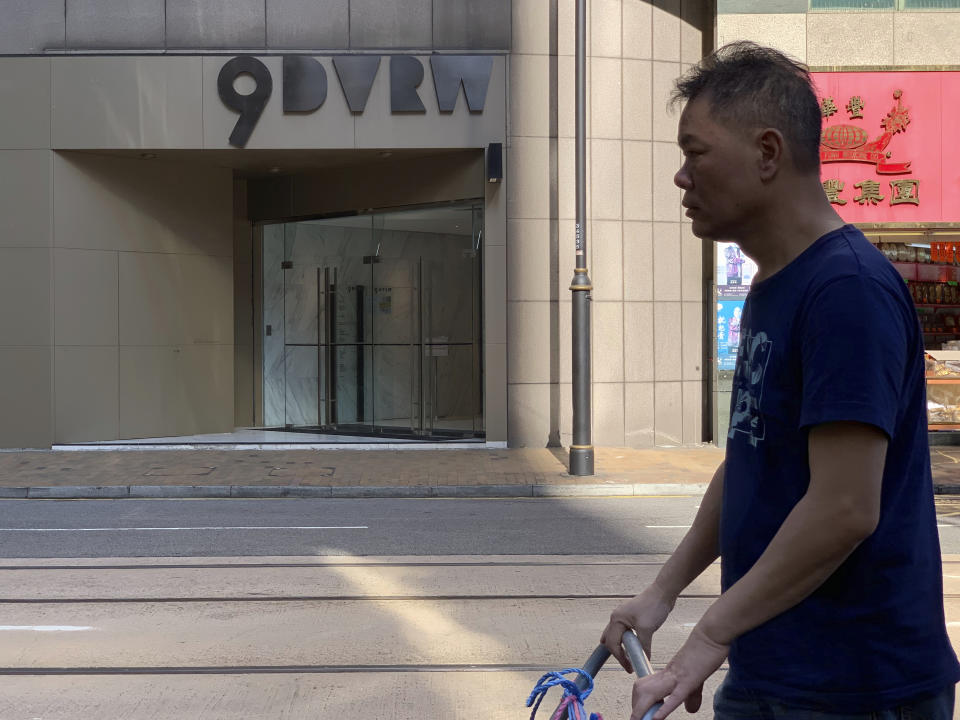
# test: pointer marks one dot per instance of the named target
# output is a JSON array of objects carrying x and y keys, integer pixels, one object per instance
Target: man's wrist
[{"x": 716, "y": 628}]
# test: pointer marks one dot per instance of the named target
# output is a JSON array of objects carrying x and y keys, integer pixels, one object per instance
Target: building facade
[
  {"x": 888, "y": 77},
  {"x": 348, "y": 215}
]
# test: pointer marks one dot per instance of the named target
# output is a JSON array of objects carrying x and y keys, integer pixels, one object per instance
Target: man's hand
[
  {"x": 682, "y": 680},
  {"x": 644, "y": 614}
]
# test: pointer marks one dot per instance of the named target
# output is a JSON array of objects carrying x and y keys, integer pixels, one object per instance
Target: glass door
[{"x": 372, "y": 323}]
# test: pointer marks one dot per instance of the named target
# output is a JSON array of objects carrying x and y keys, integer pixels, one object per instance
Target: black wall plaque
[
  {"x": 249, "y": 106},
  {"x": 406, "y": 74},
  {"x": 472, "y": 70},
  {"x": 356, "y": 73},
  {"x": 304, "y": 83}
]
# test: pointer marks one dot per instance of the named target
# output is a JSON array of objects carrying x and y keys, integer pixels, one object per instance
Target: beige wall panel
[
  {"x": 529, "y": 414},
  {"x": 607, "y": 339},
  {"x": 668, "y": 408},
  {"x": 25, "y": 317},
  {"x": 566, "y": 414},
  {"x": 495, "y": 391},
  {"x": 606, "y": 270},
  {"x": 691, "y": 43},
  {"x": 638, "y": 415},
  {"x": 926, "y": 38},
  {"x": 377, "y": 127},
  {"x": 606, "y": 93},
  {"x": 605, "y": 28},
  {"x": 638, "y": 268},
  {"x": 495, "y": 208},
  {"x": 668, "y": 343},
  {"x": 608, "y": 414},
  {"x": 566, "y": 245},
  {"x": 26, "y": 197},
  {"x": 175, "y": 299},
  {"x": 528, "y": 342},
  {"x": 109, "y": 203},
  {"x": 566, "y": 24},
  {"x": 530, "y": 95},
  {"x": 567, "y": 96},
  {"x": 692, "y": 327},
  {"x": 606, "y": 176},
  {"x": 331, "y": 126},
  {"x": 691, "y": 258},
  {"x": 638, "y": 180},
  {"x": 150, "y": 391},
  {"x": 665, "y": 116},
  {"x": 85, "y": 297},
  {"x": 692, "y": 413},
  {"x": 25, "y": 396},
  {"x": 87, "y": 394},
  {"x": 528, "y": 261},
  {"x": 567, "y": 178},
  {"x": 127, "y": 102},
  {"x": 531, "y": 27},
  {"x": 495, "y": 294},
  {"x": 24, "y": 103},
  {"x": 565, "y": 339},
  {"x": 637, "y": 89},
  {"x": 638, "y": 339},
  {"x": 666, "y": 261},
  {"x": 637, "y": 29},
  {"x": 528, "y": 178},
  {"x": 206, "y": 390},
  {"x": 850, "y": 38},
  {"x": 787, "y": 32},
  {"x": 666, "y": 30},
  {"x": 667, "y": 159}
]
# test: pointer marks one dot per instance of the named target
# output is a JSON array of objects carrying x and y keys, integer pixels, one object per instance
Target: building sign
[
  {"x": 887, "y": 145},
  {"x": 305, "y": 85}
]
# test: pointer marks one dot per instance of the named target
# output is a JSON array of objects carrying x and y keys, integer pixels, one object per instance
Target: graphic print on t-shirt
[{"x": 752, "y": 360}]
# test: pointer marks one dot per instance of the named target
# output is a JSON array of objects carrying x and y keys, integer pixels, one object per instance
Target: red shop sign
[{"x": 890, "y": 145}]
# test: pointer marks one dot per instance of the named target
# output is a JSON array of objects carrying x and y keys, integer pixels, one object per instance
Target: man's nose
[{"x": 682, "y": 179}]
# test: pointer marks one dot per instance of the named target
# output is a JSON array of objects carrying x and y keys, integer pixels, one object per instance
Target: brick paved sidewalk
[{"x": 619, "y": 469}]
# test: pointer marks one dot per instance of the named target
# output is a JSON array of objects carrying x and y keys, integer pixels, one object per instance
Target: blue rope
[{"x": 573, "y": 696}]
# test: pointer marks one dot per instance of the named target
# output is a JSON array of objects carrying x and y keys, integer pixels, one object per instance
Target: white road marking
[
  {"x": 45, "y": 628},
  {"x": 227, "y": 527}
]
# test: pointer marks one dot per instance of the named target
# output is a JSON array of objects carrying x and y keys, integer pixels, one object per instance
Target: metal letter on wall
[
  {"x": 304, "y": 84},
  {"x": 449, "y": 71},
  {"x": 249, "y": 106},
  {"x": 356, "y": 73},
  {"x": 406, "y": 74}
]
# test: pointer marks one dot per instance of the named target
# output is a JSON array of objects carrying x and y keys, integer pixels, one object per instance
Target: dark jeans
[{"x": 750, "y": 706}]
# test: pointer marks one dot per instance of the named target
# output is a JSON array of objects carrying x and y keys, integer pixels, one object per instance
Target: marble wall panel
[{"x": 302, "y": 385}]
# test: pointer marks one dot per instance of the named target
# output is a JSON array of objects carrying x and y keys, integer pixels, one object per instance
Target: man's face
[{"x": 718, "y": 175}]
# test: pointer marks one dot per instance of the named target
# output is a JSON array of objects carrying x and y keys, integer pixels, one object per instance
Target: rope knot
[{"x": 571, "y": 706}]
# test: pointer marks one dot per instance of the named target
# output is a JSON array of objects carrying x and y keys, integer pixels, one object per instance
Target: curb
[
  {"x": 223, "y": 492},
  {"x": 117, "y": 492}
]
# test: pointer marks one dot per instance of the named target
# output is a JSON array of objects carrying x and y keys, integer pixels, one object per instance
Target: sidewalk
[{"x": 477, "y": 472}]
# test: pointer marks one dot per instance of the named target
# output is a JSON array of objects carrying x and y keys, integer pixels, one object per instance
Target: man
[{"x": 822, "y": 511}]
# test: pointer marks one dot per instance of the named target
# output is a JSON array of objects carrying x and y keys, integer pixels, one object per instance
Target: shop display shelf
[
  {"x": 928, "y": 272},
  {"x": 942, "y": 380},
  {"x": 943, "y": 426}
]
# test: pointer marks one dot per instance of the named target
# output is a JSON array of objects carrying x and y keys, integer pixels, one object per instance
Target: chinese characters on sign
[{"x": 851, "y": 144}]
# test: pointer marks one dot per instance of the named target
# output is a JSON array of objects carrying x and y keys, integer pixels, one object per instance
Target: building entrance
[{"x": 372, "y": 323}]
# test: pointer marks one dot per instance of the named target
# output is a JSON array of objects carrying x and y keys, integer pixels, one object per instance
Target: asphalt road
[{"x": 355, "y": 609}]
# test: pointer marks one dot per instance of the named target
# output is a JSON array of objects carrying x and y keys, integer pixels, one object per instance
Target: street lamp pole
[{"x": 581, "y": 450}]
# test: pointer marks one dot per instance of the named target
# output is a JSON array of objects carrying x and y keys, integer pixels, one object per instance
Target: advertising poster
[{"x": 735, "y": 272}]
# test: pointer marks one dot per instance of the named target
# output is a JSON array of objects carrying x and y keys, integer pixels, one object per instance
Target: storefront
[{"x": 887, "y": 151}]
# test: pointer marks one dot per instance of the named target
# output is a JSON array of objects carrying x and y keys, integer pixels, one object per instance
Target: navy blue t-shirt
[{"x": 834, "y": 336}]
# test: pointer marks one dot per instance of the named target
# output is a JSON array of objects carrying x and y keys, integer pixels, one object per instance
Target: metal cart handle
[{"x": 638, "y": 658}]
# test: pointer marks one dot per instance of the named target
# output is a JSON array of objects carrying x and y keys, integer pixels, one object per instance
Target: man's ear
[{"x": 772, "y": 151}]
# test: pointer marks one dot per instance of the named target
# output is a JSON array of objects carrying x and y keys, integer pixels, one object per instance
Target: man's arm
[
  {"x": 647, "y": 611},
  {"x": 839, "y": 511}
]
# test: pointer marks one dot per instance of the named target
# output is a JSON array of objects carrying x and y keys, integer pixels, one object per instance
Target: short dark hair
[{"x": 757, "y": 86}]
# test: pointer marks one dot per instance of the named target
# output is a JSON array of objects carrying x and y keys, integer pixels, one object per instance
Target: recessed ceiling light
[
  {"x": 274, "y": 170},
  {"x": 148, "y": 156},
  {"x": 385, "y": 154}
]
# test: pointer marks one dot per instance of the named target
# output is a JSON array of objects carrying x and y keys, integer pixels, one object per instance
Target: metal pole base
[{"x": 581, "y": 460}]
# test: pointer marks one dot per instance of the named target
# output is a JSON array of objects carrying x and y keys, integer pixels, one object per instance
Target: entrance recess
[{"x": 372, "y": 323}]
